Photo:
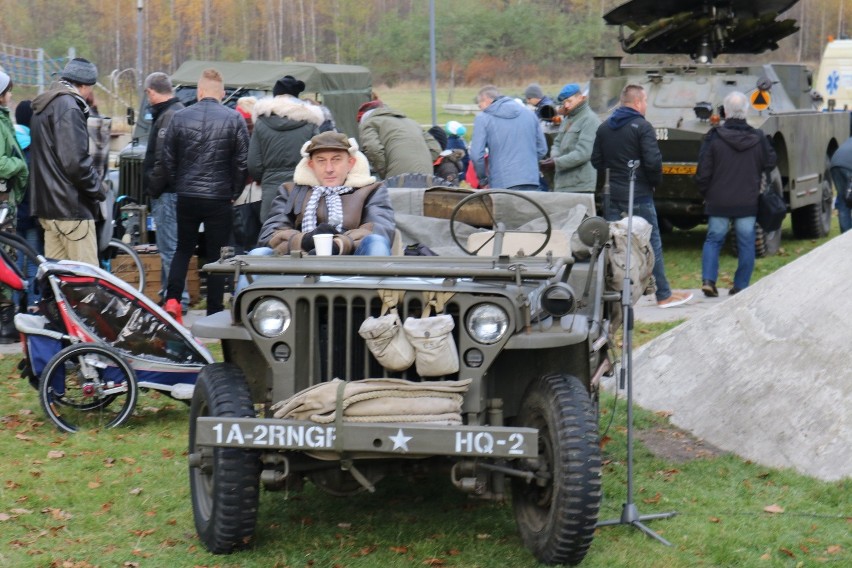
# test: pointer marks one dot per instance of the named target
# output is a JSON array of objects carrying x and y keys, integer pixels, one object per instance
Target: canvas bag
[
  {"x": 433, "y": 343},
  {"x": 386, "y": 341},
  {"x": 641, "y": 259}
]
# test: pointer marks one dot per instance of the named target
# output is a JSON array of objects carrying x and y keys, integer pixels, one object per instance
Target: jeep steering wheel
[{"x": 498, "y": 227}]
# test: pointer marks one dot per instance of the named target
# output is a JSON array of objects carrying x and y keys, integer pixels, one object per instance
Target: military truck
[
  {"x": 685, "y": 101},
  {"x": 341, "y": 88},
  {"x": 529, "y": 332}
]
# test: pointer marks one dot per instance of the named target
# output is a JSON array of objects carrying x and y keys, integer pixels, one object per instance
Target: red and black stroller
[{"x": 96, "y": 342}]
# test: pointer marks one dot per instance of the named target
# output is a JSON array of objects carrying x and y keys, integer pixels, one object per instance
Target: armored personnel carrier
[{"x": 685, "y": 95}]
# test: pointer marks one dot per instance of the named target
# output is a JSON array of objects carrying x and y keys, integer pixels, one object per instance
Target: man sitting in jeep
[{"x": 334, "y": 193}]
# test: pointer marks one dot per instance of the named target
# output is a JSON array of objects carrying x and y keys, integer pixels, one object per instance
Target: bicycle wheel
[
  {"x": 88, "y": 386},
  {"x": 121, "y": 259}
]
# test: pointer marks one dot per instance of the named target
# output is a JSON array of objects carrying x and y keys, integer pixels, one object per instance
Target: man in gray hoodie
[{"x": 511, "y": 136}]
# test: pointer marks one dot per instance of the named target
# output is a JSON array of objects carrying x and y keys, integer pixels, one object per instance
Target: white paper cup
[{"x": 322, "y": 244}]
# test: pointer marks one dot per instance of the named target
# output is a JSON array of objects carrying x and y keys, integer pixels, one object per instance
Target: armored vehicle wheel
[
  {"x": 88, "y": 386},
  {"x": 479, "y": 200},
  {"x": 557, "y": 512},
  {"x": 224, "y": 482},
  {"x": 814, "y": 221}
]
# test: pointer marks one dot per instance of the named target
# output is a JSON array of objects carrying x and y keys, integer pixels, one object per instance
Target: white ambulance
[{"x": 834, "y": 79}]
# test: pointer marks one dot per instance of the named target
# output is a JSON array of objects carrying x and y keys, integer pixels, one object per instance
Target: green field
[{"x": 121, "y": 498}]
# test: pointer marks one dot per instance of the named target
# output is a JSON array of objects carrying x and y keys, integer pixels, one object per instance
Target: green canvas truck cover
[{"x": 342, "y": 88}]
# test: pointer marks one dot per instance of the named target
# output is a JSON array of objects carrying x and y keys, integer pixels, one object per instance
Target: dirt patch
[{"x": 673, "y": 444}]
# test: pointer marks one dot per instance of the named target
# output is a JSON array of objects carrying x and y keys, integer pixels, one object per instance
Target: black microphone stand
[{"x": 630, "y": 513}]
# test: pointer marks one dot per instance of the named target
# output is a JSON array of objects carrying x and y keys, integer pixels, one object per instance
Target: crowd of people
[{"x": 313, "y": 180}]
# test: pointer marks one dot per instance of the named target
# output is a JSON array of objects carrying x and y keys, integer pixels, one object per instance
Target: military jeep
[{"x": 532, "y": 338}]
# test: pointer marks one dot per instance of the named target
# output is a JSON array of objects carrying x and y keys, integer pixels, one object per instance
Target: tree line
[{"x": 477, "y": 40}]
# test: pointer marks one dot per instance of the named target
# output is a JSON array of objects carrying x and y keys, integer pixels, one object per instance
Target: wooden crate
[{"x": 123, "y": 267}]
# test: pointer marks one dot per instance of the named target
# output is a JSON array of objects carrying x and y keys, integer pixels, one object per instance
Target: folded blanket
[{"x": 378, "y": 400}]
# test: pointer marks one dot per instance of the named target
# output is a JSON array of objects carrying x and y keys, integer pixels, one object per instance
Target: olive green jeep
[{"x": 511, "y": 395}]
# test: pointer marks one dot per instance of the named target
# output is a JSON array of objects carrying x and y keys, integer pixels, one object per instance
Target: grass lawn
[{"x": 121, "y": 498}]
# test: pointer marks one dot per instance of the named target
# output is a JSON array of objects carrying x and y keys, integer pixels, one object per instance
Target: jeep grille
[
  {"x": 339, "y": 351},
  {"x": 130, "y": 178}
]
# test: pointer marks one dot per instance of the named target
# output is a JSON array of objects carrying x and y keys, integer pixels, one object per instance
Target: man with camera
[{"x": 572, "y": 148}]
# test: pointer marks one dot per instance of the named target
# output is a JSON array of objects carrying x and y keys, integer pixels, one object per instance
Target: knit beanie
[
  {"x": 288, "y": 85},
  {"x": 80, "y": 71},
  {"x": 534, "y": 92},
  {"x": 4, "y": 81},
  {"x": 24, "y": 113},
  {"x": 455, "y": 128}
]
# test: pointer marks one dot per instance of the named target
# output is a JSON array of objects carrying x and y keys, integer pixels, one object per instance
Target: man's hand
[
  {"x": 322, "y": 229},
  {"x": 547, "y": 165}
]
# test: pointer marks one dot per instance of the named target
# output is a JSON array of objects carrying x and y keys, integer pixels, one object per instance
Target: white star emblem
[{"x": 400, "y": 441}]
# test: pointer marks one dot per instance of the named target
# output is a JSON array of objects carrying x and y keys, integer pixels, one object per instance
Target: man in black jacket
[
  {"x": 622, "y": 140},
  {"x": 66, "y": 186},
  {"x": 731, "y": 162},
  {"x": 204, "y": 152},
  {"x": 155, "y": 178}
]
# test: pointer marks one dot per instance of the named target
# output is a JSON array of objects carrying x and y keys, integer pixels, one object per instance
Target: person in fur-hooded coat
[
  {"x": 282, "y": 124},
  {"x": 333, "y": 193}
]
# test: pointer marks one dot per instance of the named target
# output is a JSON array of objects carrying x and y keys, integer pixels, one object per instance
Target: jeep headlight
[
  {"x": 487, "y": 323},
  {"x": 270, "y": 317}
]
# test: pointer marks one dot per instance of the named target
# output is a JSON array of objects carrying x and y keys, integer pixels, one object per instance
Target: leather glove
[{"x": 322, "y": 229}]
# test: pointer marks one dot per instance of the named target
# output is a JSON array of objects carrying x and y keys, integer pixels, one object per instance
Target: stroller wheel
[{"x": 88, "y": 386}]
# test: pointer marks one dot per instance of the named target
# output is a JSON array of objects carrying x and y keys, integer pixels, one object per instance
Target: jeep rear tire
[
  {"x": 224, "y": 482},
  {"x": 557, "y": 512}
]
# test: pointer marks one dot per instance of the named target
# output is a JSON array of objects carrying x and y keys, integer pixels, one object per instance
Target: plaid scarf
[{"x": 332, "y": 203}]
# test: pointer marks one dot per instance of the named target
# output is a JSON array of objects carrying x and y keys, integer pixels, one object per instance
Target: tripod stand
[{"x": 629, "y": 512}]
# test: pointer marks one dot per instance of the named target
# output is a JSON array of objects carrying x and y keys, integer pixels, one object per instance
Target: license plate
[
  {"x": 386, "y": 438},
  {"x": 680, "y": 169}
]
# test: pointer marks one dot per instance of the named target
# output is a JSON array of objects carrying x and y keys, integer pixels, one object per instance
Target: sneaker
[
  {"x": 734, "y": 290},
  {"x": 709, "y": 289},
  {"x": 676, "y": 299},
  {"x": 172, "y": 308}
]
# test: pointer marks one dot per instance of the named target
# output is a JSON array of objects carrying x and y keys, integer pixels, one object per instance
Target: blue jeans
[
  {"x": 644, "y": 207},
  {"x": 164, "y": 211},
  {"x": 373, "y": 245},
  {"x": 841, "y": 182},
  {"x": 28, "y": 267},
  {"x": 525, "y": 188},
  {"x": 717, "y": 230}
]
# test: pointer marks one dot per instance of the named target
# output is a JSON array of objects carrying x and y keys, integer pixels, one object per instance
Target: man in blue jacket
[
  {"x": 623, "y": 139},
  {"x": 512, "y": 136},
  {"x": 204, "y": 151}
]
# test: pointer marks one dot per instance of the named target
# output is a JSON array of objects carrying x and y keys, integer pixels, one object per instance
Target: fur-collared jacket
[
  {"x": 366, "y": 210},
  {"x": 282, "y": 125}
]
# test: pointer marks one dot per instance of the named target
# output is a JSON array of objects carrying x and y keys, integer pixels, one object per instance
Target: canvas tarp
[{"x": 342, "y": 88}]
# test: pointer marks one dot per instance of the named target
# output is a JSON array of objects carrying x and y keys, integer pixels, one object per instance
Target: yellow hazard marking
[
  {"x": 760, "y": 99},
  {"x": 680, "y": 169}
]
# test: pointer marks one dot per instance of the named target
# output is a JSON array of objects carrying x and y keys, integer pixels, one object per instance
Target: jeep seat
[{"x": 514, "y": 242}]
